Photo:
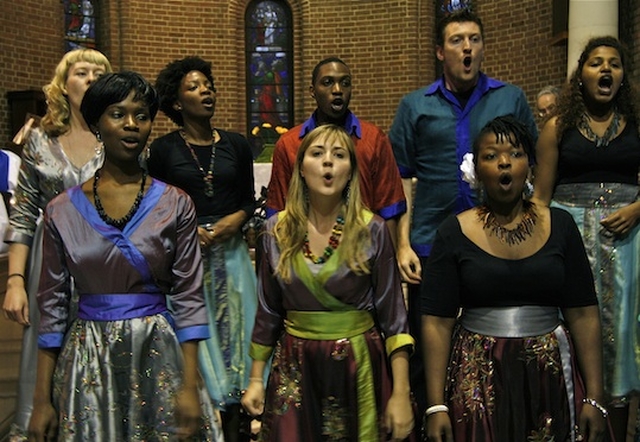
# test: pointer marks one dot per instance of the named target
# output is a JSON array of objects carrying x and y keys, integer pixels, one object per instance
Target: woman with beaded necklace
[
  {"x": 331, "y": 310},
  {"x": 588, "y": 163},
  {"x": 126, "y": 368},
  {"x": 215, "y": 168},
  {"x": 506, "y": 368}
]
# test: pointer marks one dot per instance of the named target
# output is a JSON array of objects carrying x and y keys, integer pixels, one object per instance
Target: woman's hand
[
  {"x": 591, "y": 424},
  {"x": 623, "y": 220},
  {"x": 409, "y": 265},
  {"x": 398, "y": 417},
  {"x": 438, "y": 428},
  {"x": 16, "y": 302},
  {"x": 188, "y": 412},
  {"x": 224, "y": 229},
  {"x": 43, "y": 425},
  {"x": 253, "y": 398}
]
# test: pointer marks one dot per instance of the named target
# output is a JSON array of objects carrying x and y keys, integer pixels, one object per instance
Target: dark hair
[
  {"x": 316, "y": 70},
  {"x": 507, "y": 127},
  {"x": 113, "y": 88},
  {"x": 459, "y": 16},
  {"x": 571, "y": 106},
  {"x": 168, "y": 83}
]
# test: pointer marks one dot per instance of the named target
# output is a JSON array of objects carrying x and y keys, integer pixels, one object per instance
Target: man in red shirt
[{"x": 379, "y": 175}]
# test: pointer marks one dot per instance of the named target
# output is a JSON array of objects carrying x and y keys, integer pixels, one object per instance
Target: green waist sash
[
  {"x": 350, "y": 324},
  {"x": 327, "y": 326}
]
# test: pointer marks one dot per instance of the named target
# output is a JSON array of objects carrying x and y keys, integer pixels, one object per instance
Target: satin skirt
[
  {"x": 231, "y": 299},
  {"x": 29, "y": 351},
  {"x": 615, "y": 262},
  {"x": 118, "y": 380},
  {"x": 312, "y": 392},
  {"x": 513, "y": 389}
]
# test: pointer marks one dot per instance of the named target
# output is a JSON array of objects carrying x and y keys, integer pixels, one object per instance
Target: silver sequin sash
[
  {"x": 595, "y": 194},
  {"x": 511, "y": 322}
]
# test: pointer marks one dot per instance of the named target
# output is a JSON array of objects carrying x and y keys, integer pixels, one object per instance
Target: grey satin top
[{"x": 45, "y": 172}]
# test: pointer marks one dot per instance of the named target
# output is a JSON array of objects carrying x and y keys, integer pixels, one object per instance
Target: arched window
[
  {"x": 80, "y": 18},
  {"x": 269, "y": 43}
]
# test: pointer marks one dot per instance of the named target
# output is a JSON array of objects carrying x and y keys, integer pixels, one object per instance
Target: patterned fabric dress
[
  {"x": 44, "y": 173},
  {"x": 615, "y": 263},
  {"x": 330, "y": 332},
  {"x": 120, "y": 364}
]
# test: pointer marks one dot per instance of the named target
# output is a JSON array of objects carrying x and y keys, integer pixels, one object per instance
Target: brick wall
[
  {"x": 29, "y": 49},
  {"x": 519, "y": 46},
  {"x": 388, "y": 44},
  {"x": 630, "y": 32}
]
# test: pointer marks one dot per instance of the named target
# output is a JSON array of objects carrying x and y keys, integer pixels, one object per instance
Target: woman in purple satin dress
[
  {"x": 126, "y": 368},
  {"x": 331, "y": 312}
]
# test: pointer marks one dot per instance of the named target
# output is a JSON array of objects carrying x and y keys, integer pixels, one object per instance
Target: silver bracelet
[
  {"x": 436, "y": 409},
  {"x": 596, "y": 405}
]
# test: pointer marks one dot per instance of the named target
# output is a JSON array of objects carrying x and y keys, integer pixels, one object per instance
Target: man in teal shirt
[{"x": 433, "y": 129}]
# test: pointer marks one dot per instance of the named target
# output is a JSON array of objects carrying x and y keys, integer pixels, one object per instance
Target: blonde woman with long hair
[
  {"x": 61, "y": 153},
  {"x": 331, "y": 311}
]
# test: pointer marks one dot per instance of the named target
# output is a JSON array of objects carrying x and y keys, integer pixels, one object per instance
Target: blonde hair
[
  {"x": 291, "y": 227},
  {"x": 56, "y": 120}
]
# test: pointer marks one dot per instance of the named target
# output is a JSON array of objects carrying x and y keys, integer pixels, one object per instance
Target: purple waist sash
[{"x": 114, "y": 307}]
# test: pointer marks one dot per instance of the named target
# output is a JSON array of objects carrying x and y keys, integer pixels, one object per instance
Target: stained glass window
[
  {"x": 80, "y": 23},
  {"x": 269, "y": 71},
  {"x": 446, "y": 7}
]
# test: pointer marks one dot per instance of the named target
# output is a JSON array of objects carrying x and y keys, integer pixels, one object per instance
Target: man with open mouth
[
  {"x": 432, "y": 131},
  {"x": 380, "y": 184}
]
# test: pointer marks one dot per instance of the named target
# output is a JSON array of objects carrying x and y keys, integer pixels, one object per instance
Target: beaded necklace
[
  {"x": 117, "y": 223},
  {"x": 509, "y": 236},
  {"x": 605, "y": 139},
  {"x": 334, "y": 242},
  {"x": 208, "y": 175}
]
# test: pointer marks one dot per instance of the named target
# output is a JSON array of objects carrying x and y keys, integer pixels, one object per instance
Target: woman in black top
[
  {"x": 215, "y": 168},
  {"x": 588, "y": 163},
  {"x": 509, "y": 370}
]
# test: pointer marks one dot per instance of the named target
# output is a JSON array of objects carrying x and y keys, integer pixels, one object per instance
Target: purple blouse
[
  {"x": 156, "y": 253},
  {"x": 379, "y": 292}
]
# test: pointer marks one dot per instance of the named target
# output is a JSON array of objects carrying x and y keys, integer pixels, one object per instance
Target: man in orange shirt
[{"x": 379, "y": 175}]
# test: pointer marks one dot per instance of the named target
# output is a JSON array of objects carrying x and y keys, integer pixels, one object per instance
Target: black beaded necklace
[
  {"x": 117, "y": 223},
  {"x": 208, "y": 175}
]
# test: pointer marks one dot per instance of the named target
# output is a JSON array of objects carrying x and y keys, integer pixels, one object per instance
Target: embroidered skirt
[
  {"x": 326, "y": 387},
  {"x": 615, "y": 262},
  {"x": 513, "y": 388},
  {"x": 118, "y": 380},
  {"x": 312, "y": 391}
]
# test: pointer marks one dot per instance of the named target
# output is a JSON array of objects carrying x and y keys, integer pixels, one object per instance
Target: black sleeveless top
[{"x": 580, "y": 161}]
